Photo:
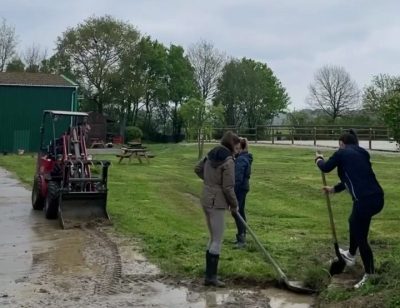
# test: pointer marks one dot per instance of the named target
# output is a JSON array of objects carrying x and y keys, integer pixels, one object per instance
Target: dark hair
[
  {"x": 349, "y": 137},
  {"x": 243, "y": 143},
  {"x": 229, "y": 140}
]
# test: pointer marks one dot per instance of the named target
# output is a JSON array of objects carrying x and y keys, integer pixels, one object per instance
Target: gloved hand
[
  {"x": 318, "y": 156},
  {"x": 328, "y": 189},
  {"x": 234, "y": 210}
]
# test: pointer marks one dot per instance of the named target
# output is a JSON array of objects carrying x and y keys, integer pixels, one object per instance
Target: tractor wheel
[
  {"x": 37, "y": 199},
  {"x": 52, "y": 200}
]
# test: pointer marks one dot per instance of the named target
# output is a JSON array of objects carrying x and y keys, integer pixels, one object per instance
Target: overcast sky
[{"x": 294, "y": 37}]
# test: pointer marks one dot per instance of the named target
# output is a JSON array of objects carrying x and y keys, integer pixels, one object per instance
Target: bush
[{"x": 133, "y": 133}]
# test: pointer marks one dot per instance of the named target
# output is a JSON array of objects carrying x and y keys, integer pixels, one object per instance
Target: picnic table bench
[
  {"x": 135, "y": 153},
  {"x": 97, "y": 143}
]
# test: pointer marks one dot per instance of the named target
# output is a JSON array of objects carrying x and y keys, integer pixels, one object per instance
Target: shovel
[
  {"x": 294, "y": 286},
  {"x": 338, "y": 265}
]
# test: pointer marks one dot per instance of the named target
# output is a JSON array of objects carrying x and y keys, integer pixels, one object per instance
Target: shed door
[{"x": 21, "y": 140}]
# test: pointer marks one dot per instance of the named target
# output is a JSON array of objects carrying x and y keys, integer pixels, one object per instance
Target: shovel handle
[
  {"x": 262, "y": 249},
  {"x": 328, "y": 204}
]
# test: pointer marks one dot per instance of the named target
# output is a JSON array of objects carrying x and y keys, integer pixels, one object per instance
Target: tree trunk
[
  {"x": 200, "y": 143},
  {"x": 122, "y": 126}
]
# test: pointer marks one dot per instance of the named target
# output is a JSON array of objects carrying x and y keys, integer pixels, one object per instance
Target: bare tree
[
  {"x": 333, "y": 91},
  {"x": 207, "y": 62},
  {"x": 33, "y": 57},
  {"x": 8, "y": 43}
]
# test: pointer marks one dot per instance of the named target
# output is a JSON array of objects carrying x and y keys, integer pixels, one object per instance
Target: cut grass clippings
[{"x": 159, "y": 204}]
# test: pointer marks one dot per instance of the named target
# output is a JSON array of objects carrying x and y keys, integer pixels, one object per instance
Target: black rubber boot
[{"x": 211, "y": 271}]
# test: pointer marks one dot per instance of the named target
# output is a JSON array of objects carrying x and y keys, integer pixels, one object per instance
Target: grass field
[{"x": 158, "y": 203}]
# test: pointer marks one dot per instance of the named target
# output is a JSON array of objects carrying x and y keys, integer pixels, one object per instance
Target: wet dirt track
[{"x": 42, "y": 265}]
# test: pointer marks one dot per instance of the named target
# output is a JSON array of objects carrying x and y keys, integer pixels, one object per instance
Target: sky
[{"x": 294, "y": 37}]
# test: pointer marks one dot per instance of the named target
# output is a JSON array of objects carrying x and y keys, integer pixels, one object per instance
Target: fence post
[
  {"x": 292, "y": 135},
  {"x": 273, "y": 135},
  {"x": 256, "y": 137},
  {"x": 370, "y": 138},
  {"x": 315, "y": 136}
]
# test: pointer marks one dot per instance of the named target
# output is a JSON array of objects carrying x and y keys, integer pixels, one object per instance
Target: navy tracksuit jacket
[{"x": 354, "y": 170}]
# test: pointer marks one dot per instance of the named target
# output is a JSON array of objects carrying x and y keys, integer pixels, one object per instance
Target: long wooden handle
[
  {"x": 262, "y": 249},
  {"x": 328, "y": 204}
]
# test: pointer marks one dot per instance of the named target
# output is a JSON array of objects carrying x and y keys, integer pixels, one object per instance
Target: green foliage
[
  {"x": 382, "y": 86},
  {"x": 250, "y": 93},
  {"x": 199, "y": 118},
  {"x": 390, "y": 110},
  {"x": 133, "y": 133},
  {"x": 181, "y": 83},
  {"x": 93, "y": 50},
  {"x": 15, "y": 65}
]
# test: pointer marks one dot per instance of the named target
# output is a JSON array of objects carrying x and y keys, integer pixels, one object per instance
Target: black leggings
[
  {"x": 359, "y": 222},
  {"x": 241, "y": 197}
]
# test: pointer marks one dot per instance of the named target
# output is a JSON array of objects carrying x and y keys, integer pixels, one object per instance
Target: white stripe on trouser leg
[{"x": 216, "y": 227}]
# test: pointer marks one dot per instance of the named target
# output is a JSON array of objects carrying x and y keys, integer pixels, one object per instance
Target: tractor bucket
[{"x": 77, "y": 208}]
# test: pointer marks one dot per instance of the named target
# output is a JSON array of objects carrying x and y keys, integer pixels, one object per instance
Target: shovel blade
[
  {"x": 79, "y": 208},
  {"x": 297, "y": 287},
  {"x": 337, "y": 266}
]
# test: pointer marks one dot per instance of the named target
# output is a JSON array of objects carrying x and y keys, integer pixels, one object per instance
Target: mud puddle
[{"x": 42, "y": 265}]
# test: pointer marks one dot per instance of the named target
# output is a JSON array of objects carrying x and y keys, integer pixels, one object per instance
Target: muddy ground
[{"x": 42, "y": 265}]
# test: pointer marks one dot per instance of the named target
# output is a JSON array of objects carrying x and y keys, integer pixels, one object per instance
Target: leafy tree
[
  {"x": 250, "y": 93},
  {"x": 207, "y": 62},
  {"x": 8, "y": 44},
  {"x": 15, "y": 65},
  {"x": 376, "y": 94},
  {"x": 94, "y": 49},
  {"x": 181, "y": 84},
  {"x": 141, "y": 82},
  {"x": 391, "y": 114},
  {"x": 333, "y": 91},
  {"x": 198, "y": 118}
]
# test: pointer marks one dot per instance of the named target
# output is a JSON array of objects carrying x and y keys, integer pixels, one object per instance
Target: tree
[
  {"x": 376, "y": 94},
  {"x": 333, "y": 91},
  {"x": 250, "y": 93},
  {"x": 15, "y": 65},
  {"x": 93, "y": 50},
  {"x": 8, "y": 44},
  {"x": 207, "y": 63},
  {"x": 198, "y": 117},
  {"x": 391, "y": 114},
  {"x": 181, "y": 84},
  {"x": 33, "y": 57},
  {"x": 142, "y": 81}
]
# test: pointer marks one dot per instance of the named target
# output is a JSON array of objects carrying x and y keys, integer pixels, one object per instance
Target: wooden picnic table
[
  {"x": 136, "y": 153},
  {"x": 97, "y": 143}
]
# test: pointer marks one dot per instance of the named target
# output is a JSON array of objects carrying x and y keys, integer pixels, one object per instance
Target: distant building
[{"x": 23, "y": 97}]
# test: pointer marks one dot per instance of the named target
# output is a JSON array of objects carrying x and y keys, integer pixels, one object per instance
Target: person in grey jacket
[{"x": 217, "y": 170}]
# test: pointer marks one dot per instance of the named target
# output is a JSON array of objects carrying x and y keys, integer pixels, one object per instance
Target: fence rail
[{"x": 276, "y": 134}]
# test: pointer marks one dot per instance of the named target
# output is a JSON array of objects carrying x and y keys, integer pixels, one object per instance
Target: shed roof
[{"x": 35, "y": 80}]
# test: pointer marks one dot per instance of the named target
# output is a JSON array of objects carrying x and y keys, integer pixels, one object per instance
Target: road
[{"x": 42, "y": 265}]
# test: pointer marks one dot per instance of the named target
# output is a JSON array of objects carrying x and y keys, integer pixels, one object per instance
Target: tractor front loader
[{"x": 65, "y": 184}]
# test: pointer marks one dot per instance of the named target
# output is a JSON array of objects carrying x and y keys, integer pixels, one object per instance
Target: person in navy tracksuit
[
  {"x": 356, "y": 175},
  {"x": 242, "y": 176}
]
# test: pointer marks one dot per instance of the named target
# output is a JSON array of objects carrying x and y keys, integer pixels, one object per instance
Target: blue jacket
[
  {"x": 243, "y": 171},
  {"x": 354, "y": 170}
]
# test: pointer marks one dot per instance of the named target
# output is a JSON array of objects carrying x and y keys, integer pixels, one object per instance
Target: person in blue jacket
[
  {"x": 357, "y": 177},
  {"x": 242, "y": 176}
]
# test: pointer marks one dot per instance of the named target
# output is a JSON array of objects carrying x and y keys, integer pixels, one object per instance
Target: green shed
[{"x": 23, "y": 97}]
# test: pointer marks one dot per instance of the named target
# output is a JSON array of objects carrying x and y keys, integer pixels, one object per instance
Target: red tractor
[{"x": 66, "y": 184}]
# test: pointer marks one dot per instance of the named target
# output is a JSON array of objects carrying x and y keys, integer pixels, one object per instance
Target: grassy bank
[{"x": 158, "y": 203}]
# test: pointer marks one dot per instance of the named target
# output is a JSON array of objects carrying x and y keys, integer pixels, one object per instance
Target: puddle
[{"x": 42, "y": 265}]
